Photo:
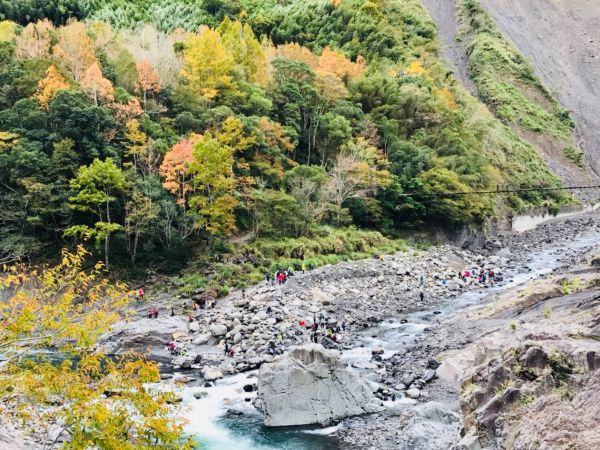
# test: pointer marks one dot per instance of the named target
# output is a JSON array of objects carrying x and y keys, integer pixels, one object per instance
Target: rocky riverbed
[{"x": 424, "y": 360}]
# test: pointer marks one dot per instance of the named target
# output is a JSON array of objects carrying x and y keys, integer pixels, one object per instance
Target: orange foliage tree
[
  {"x": 147, "y": 80},
  {"x": 50, "y": 85},
  {"x": 175, "y": 169},
  {"x": 99, "y": 89}
]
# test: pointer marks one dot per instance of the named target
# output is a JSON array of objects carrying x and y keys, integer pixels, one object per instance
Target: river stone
[
  {"x": 200, "y": 394},
  {"x": 211, "y": 374},
  {"x": 309, "y": 385},
  {"x": 184, "y": 361},
  {"x": 377, "y": 351},
  {"x": 194, "y": 327},
  {"x": 218, "y": 330},
  {"x": 202, "y": 339},
  {"x": 413, "y": 393},
  {"x": 237, "y": 338}
]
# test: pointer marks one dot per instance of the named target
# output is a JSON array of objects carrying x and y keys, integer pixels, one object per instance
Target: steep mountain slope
[
  {"x": 478, "y": 46},
  {"x": 561, "y": 38}
]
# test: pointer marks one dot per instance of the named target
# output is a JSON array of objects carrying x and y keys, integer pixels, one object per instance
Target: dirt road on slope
[{"x": 561, "y": 38}]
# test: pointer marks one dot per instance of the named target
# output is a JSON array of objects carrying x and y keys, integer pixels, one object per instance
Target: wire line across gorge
[{"x": 499, "y": 190}]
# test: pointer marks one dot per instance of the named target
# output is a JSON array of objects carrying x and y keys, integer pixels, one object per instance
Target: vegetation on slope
[
  {"x": 506, "y": 83},
  {"x": 216, "y": 118}
]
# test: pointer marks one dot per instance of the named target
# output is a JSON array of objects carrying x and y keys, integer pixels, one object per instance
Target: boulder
[
  {"x": 413, "y": 393},
  {"x": 218, "y": 330},
  {"x": 211, "y": 374},
  {"x": 309, "y": 385},
  {"x": 194, "y": 327},
  {"x": 377, "y": 351},
  {"x": 202, "y": 339},
  {"x": 184, "y": 361}
]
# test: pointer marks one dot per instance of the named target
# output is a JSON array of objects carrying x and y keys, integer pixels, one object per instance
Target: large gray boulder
[{"x": 309, "y": 385}]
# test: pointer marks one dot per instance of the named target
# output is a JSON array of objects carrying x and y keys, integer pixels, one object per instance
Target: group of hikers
[
  {"x": 281, "y": 276},
  {"x": 482, "y": 276}
]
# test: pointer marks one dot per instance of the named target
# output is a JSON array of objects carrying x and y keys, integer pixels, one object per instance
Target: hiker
[
  {"x": 243, "y": 293},
  {"x": 269, "y": 310},
  {"x": 172, "y": 347},
  {"x": 154, "y": 313},
  {"x": 271, "y": 349},
  {"x": 334, "y": 337},
  {"x": 491, "y": 276},
  {"x": 195, "y": 306},
  {"x": 202, "y": 303},
  {"x": 268, "y": 277},
  {"x": 184, "y": 307},
  {"x": 226, "y": 348},
  {"x": 302, "y": 323},
  {"x": 172, "y": 312},
  {"x": 303, "y": 268},
  {"x": 140, "y": 293},
  {"x": 231, "y": 352},
  {"x": 343, "y": 325},
  {"x": 421, "y": 296},
  {"x": 191, "y": 319},
  {"x": 421, "y": 280}
]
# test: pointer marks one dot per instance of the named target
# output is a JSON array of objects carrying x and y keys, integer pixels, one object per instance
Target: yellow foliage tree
[
  {"x": 7, "y": 30},
  {"x": 246, "y": 50},
  {"x": 207, "y": 64},
  {"x": 53, "y": 376},
  {"x": 336, "y": 63},
  {"x": 50, "y": 85}
]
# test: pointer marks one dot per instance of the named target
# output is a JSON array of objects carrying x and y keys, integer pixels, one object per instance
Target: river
[{"x": 211, "y": 418}]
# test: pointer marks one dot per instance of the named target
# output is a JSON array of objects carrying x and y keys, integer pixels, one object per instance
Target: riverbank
[
  {"x": 533, "y": 305},
  {"x": 378, "y": 300}
]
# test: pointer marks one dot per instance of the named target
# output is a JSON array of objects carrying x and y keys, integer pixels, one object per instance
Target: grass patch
[
  {"x": 230, "y": 267},
  {"x": 505, "y": 80},
  {"x": 574, "y": 155}
]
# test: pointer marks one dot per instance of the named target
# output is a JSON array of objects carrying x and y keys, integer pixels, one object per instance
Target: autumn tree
[
  {"x": 149, "y": 44},
  {"x": 76, "y": 50},
  {"x": 147, "y": 82},
  {"x": 336, "y": 63},
  {"x": 175, "y": 170},
  {"x": 50, "y": 85},
  {"x": 99, "y": 89},
  {"x": 214, "y": 184},
  {"x": 34, "y": 40},
  {"x": 207, "y": 64},
  {"x": 96, "y": 187},
  {"x": 245, "y": 49},
  {"x": 7, "y": 30},
  {"x": 86, "y": 399}
]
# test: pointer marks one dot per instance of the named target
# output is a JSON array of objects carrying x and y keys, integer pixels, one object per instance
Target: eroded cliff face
[{"x": 561, "y": 39}]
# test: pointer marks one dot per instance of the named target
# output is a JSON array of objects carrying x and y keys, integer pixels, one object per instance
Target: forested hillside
[{"x": 145, "y": 128}]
